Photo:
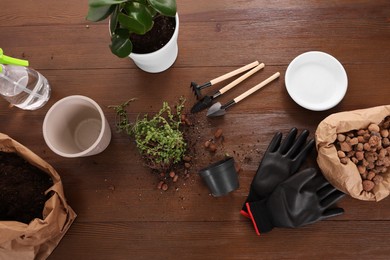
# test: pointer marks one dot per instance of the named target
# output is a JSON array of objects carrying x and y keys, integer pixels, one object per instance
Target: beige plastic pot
[{"x": 75, "y": 126}]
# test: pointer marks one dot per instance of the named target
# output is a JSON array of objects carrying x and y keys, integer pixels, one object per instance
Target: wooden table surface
[{"x": 121, "y": 213}]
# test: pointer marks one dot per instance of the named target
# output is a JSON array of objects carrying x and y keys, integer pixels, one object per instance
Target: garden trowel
[
  {"x": 219, "y": 110},
  {"x": 206, "y": 100}
]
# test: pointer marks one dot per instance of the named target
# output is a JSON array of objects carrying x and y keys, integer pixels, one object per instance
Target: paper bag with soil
[
  {"x": 39, "y": 237},
  {"x": 346, "y": 177}
]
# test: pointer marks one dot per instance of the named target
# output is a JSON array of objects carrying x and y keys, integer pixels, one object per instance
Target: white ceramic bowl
[{"x": 316, "y": 81}]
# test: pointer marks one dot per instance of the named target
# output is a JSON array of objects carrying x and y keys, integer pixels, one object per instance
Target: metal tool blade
[{"x": 216, "y": 110}]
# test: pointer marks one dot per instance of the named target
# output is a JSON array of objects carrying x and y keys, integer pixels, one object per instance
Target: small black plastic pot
[{"x": 221, "y": 177}]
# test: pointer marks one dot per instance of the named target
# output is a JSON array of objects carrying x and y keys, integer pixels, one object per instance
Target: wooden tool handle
[
  {"x": 242, "y": 78},
  {"x": 256, "y": 88},
  {"x": 234, "y": 73}
]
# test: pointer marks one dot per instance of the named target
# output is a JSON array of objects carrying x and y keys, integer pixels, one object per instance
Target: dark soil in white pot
[
  {"x": 156, "y": 38},
  {"x": 22, "y": 189}
]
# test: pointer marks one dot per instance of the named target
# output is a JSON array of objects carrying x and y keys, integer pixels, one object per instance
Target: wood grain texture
[
  {"x": 121, "y": 214},
  {"x": 223, "y": 240}
]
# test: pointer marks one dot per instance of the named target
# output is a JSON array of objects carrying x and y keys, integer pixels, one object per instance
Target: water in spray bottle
[{"x": 22, "y": 86}]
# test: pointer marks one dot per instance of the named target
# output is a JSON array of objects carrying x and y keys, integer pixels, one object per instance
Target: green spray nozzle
[{"x": 4, "y": 59}]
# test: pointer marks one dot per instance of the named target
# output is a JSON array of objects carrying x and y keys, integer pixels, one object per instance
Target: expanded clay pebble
[
  {"x": 218, "y": 133},
  {"x": 159, "y": 185},
  {"x": 385, "y": 133},
  {"x": 164, "y": 187},
  {"x": 341, "y": 154},
  {"x": 187, "y": 165},
  {"x": 184, "y": 119},
  {"x": 369, "y": 149},
  {"x": 187, "y": 158},
  {"x": 211, "y": 143},
  {"x": 373, "y": 128},
  {"x": 377, "y": 179},
  {"x": 212, "y": 148},
  {"x": 368, "y": 185},
  {"x": 340, "y": 137}
]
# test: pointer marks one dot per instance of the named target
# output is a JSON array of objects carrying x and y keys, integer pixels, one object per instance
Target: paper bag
[
  {"x": 37, "y": 239},
  {"x": 346, "y": 177}
]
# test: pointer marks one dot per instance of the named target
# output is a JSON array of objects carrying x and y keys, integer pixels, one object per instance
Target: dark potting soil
[
  {"x": 156, "y": 38},
  {"x": 22, "y": 189}
]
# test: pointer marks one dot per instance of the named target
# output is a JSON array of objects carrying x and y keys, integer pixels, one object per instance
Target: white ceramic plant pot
[{"x": 161, "y": 59}]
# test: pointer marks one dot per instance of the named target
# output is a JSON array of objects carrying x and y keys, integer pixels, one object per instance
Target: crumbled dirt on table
[
  {"x": 207, "y": 144},
  {"x": 22, "y": 189},
  {"x": 204, "y": 146},
  {"x": 184, "y": 173}
]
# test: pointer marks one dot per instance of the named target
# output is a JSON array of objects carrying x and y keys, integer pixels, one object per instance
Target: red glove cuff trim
[
  {"x": 252, "y": 218},
  {"x": 245, "y": 214}
]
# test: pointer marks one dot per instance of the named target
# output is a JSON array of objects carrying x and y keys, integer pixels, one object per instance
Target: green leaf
[
  {"x": 151, "y": 10},
  {"x": 96, "y": 14},
  {"x": 121, "y": 45},
  {"x": 114, "y": 19},
  {"x": 144, "y": 2},
  {"x": 165, "y": 7},
  {"x": 99, "y": 3},
  {"x": 138, "y": 19}
]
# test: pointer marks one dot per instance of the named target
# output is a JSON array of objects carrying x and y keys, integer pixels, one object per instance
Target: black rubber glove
[
  {"x": 280, "y": 161},
  {"x": 302, "y": 199}
]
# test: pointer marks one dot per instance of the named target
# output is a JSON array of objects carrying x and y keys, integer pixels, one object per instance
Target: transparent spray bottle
[{"x": 22, "y": 86}]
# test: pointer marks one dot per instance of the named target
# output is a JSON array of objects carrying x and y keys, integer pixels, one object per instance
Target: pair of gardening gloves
[{"x": 280, "y": 196}]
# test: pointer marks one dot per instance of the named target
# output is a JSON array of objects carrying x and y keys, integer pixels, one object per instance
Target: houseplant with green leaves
[{"x": 131, "y": 22}]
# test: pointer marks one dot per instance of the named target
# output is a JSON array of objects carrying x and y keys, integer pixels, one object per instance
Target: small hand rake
[
  {"x": 197, "y": 88},
  {"x": 207, "y": 100}
]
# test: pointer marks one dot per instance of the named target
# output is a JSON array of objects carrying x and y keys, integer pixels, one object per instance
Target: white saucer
[{"x": 316, "y": 80}]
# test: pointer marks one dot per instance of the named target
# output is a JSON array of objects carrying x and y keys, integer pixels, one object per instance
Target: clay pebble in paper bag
[
  {"x": 39, "y": 238},
  {"x": 346, "y": 177}
]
